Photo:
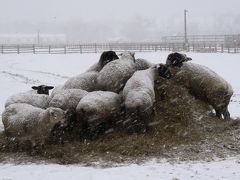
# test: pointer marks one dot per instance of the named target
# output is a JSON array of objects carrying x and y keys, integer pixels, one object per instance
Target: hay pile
[{"x": 184, "y": 128}]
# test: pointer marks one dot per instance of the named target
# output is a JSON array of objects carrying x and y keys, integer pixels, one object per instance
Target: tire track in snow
[
  {"x": 48, "y": 73},
  {"x": 20, "y": 78}
]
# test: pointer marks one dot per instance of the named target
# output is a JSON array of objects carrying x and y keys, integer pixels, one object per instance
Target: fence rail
[{"x": 118, "y": 47}]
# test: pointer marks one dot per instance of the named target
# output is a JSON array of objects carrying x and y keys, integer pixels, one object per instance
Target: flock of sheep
[{"x": 113, "y": 93}]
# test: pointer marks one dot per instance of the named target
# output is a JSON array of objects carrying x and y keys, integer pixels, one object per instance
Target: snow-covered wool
[
  {"x": 37, "y": 100},
  {"x": 106, "y": 57},
  {"x": 42, "y": 89},
  {"x": 56, "y": 90},
  {"x": 115, "y": 74},
  {"x": 26, "y": 122},
  {"x": 206, "y": 85},
  {"x": 67, "y": 99},
  {"x": 85, "y": 81},
  {"x": 142, "y": 64},
  {"x": 176, "y": 59},
  {"x": 139, "y": 95},
  {"x": 99, "y": 106}
]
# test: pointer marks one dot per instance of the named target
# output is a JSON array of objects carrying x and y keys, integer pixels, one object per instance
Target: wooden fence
[{"x": 118, "y": 47}]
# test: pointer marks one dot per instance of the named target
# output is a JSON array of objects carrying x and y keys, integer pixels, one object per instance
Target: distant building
[{"x": 33, "y": 39}]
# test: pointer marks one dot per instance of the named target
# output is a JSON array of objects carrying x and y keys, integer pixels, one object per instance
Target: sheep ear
[
  {"x": 120, "y": 54},
  {"x": 50, "y": 87},
  {"x": 35, "y": 87}
]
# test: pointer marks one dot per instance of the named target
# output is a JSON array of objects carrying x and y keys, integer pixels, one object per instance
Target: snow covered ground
[
  {"x": 19, "y": 72},
  {"x": 228, "y": 169}
]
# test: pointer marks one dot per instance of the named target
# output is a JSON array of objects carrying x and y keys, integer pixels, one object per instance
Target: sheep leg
[
  {"x": 35, "y": 147},
  {"x": 145, "y": 118},
  {"x": 218, "y": 113},
  {"x": 222, "y": 112},
  {"x": 226, "y": 114}
]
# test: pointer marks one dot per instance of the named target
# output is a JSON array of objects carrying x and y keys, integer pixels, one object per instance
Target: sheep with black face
[
  {"x": 42, "y": 89},
  {"x": 34, "y": 99},
  {"x": 115, "y": 74},
  {"x": 106, "y": 57},
  {"x": 139, "y": 96},
  {"x": 203, "y": 83},
  {"x": 176, "y": 59}
]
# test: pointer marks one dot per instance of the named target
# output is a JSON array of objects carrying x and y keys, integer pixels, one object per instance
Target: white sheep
[
  {"x": 142, "y": 64},
  {"x": 139, "y": 95},
  {"x": 25, "y": 122},
  {"x": 115, "y": 74},
  {"x": 206, "y": 85},
  {"x": 56, "y": 90},
  {"x": 106, "y": 57},
  {"x": 99, "y": 107},
  {"x": 67, "y": 99},
  {"x": 37, "y": 100},
  {"x": 85, "y": 81}
]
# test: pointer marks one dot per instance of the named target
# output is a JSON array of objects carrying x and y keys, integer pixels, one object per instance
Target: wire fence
[{"x": 118, "y": 47}]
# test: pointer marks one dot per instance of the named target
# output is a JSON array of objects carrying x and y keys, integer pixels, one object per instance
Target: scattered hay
[{"x": 184, "y": 128}]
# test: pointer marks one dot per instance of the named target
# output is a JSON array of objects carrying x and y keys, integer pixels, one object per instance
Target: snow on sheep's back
[{"x": 20, "y": 72}]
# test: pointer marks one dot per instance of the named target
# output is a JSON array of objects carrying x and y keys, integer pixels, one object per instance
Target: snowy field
[{"x": 19, "y": 72}]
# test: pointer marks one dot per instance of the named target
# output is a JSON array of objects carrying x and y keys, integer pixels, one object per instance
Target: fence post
[
  {"x": 18, "y": 50},
  {"x": 210, "y": 48},
  {"x": 33, "y": 49},
  {"x": 80, "y": 48},
  {"x": 95, "y": 47},
  {"x": 2, "y": 49},
  {"x": 65, "y": 49},
  {"x": 235, "y": 48},
  {"x": 49, "y": 49},
  {"x": 222, "y": 48}
]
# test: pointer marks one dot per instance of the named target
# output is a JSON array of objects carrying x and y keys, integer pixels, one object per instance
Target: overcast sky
[{"x": 119, "y": 18}]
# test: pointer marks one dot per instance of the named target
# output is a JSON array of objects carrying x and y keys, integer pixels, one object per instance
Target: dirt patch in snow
[{"x": 184, "y": 128}]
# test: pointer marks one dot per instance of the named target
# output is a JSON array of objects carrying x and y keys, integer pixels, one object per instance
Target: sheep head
[
  {"x": 56, "y": 115},
  {"x": 107, "y": 56},
  {"x": 176, "y": 59},
  {"x": 163, "y": 71},
  {"x": 42, "y": 89}
]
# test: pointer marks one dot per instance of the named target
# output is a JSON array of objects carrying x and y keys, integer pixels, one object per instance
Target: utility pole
[
  {"x": 185, "y": 28},
  {"x": 38, "y": 37}
]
